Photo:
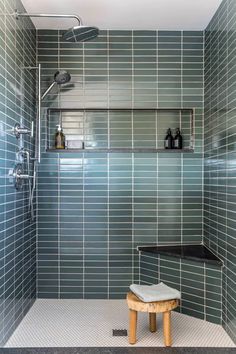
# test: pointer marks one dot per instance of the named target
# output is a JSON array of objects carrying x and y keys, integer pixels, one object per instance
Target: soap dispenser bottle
[
  {"x": 59, "y": 138},
  {"x": 168, "y": 140},
  {"x": 178, "y": 140}
]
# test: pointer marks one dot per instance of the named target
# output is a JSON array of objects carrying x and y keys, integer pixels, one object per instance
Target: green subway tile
[{"x": 130, "y": 186}]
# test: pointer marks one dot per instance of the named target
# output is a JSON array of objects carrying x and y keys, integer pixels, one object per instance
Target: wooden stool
[{"x": 135, "y": 305}]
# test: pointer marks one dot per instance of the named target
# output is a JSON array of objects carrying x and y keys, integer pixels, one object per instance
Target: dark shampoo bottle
[
  {"x": 178, "y": 140},
  {"x": 168, "y": 140}
]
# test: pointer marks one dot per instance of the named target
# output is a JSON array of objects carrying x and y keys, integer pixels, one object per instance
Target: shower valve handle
[{"x": 16, "y": 176}]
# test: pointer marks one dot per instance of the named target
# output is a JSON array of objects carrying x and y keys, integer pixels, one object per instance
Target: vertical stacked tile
[
  {"x": 144, "y": 67},
  {"x": 169, "y": 75},
  {"x": 169, "y": 199},
  {"x": 49, "y": 173},
  {"x": 48, "y": 226},
  {"x": 18, "y": 232},
  {"x": 192, "y": 166},
  {"x": 170, "y": 82},
  {"x": 96, "y": 257},
  {"x": 95, "y": 75},
  {"x": 120, "y": 164},
  {"x": 70, "y": 226},
  {"x": 145, "y": 206},
  {"x": 120, "y": 224},
  {"x": 219, "y": 141}
]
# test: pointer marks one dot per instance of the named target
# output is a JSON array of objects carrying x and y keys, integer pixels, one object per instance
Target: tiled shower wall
[
  {"x": 17, "y": 232},
  {"x": 220, "y": 166},
  {"x": 200, "y": 283},
  {"x": 95, "y": 208}
]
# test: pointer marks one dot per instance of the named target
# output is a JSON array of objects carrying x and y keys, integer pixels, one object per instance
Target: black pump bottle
[
  {"x": 168, "y": 140},
  {"x": 178, "y": 140}
]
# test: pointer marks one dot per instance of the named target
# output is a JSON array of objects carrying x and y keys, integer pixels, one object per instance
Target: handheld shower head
[
  {"x": 80, "y": 34},
  {"x": 60, "y": 77}
]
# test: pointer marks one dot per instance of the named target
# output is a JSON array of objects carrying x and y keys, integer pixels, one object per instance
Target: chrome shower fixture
[
  {"x": 17, "y": 130},
  {"x": 78, "y": 33},
  {"x": 60, "y": 77},
  {"x": 16, "y": 176}
]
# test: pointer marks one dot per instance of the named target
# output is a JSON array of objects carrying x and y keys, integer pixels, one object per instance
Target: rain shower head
[
  {"x": 78, "y": 33},
  {"x": 60, "y": 77}
]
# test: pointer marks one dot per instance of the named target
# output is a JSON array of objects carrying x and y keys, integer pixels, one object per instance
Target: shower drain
[{"x": 119, "y": 333}]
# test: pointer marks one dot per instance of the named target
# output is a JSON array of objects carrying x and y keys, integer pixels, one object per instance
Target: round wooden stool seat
[{"x": 136, "y": 305}]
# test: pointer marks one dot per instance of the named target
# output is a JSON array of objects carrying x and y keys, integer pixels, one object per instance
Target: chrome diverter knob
[{"x": 16, "y": 176}]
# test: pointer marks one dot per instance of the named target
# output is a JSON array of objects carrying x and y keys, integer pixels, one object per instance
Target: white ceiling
[{"x": 127, "y": 14}]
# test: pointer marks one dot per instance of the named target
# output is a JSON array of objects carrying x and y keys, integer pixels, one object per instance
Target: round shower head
[
  {"x": 78, "y": 33},
  {"x": 62, "y": 77},
  {"x": 81, "y": 34}
]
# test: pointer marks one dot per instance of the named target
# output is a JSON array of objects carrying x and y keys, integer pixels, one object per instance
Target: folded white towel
[{"x": 158, "y": 292}]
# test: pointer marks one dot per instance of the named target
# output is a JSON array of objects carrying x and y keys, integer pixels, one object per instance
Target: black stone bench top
[{"x": 198, "y": 253}]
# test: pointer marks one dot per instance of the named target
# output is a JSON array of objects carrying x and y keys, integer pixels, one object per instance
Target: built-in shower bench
[{"x": 192, "y": 269}]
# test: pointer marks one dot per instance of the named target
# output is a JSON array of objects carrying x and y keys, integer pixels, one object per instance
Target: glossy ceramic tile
[
  {"x": 95, "y": 208},
  {"x": 65, "y": 327},
  {"x": 219, "y": 139},
  {"x": 199, "y": 283},
  {"x": 17, "y": 232}
]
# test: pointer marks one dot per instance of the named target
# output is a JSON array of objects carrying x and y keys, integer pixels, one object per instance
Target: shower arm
[
  {"x": 48, "y": 90},
  {"x": 25, "y": 14}
]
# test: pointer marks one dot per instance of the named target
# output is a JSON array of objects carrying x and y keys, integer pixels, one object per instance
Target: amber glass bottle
[{"x": 59, "y": 138}]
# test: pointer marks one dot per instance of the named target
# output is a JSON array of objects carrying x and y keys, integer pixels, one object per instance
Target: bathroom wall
[
  {"x": 95, "y": 208},
  {"x": 219, "y": 139},
  {"x": 17, "y": 232},
  {"x": 200, "y": 283}
]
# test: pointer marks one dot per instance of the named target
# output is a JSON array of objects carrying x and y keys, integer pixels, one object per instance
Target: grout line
[
  {"x": 205, "y": 292},
  {"x": 58, "y": 223},
  {"x": 181, "y": 205},
  {"x": 108, "y": 163},
  {"x": 83, "y": 224},
  {"x": 108, "y": 223},
  {"x": 133, "y": 220}
]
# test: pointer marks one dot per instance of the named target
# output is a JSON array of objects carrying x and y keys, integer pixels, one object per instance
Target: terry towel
[{"x": 159, "y": 292}]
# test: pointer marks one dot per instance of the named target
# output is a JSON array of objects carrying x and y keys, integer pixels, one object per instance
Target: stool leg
[
  {"x": 167, "y": 328},
  {"x": 152, "y": 322},
  {"x": 132, "y": 326}
]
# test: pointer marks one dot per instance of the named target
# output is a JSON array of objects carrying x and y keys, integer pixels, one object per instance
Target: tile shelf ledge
[
  {"x": 192, "y": 252},
  {"x": 141, "y": 150}
]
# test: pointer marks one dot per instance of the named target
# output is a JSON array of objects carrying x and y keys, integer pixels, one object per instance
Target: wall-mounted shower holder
[
  {"x": 17, "y": 130},
  {"x": 16, "y": 176}
]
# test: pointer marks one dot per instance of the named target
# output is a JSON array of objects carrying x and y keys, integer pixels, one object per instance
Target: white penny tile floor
[{"x": 89, "y": 323}]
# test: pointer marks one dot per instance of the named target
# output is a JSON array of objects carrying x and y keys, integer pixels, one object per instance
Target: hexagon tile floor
[{"x": 89, "y": 323}]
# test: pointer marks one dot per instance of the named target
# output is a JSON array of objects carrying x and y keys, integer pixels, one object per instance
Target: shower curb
[{"x": 120, "y": 350}]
